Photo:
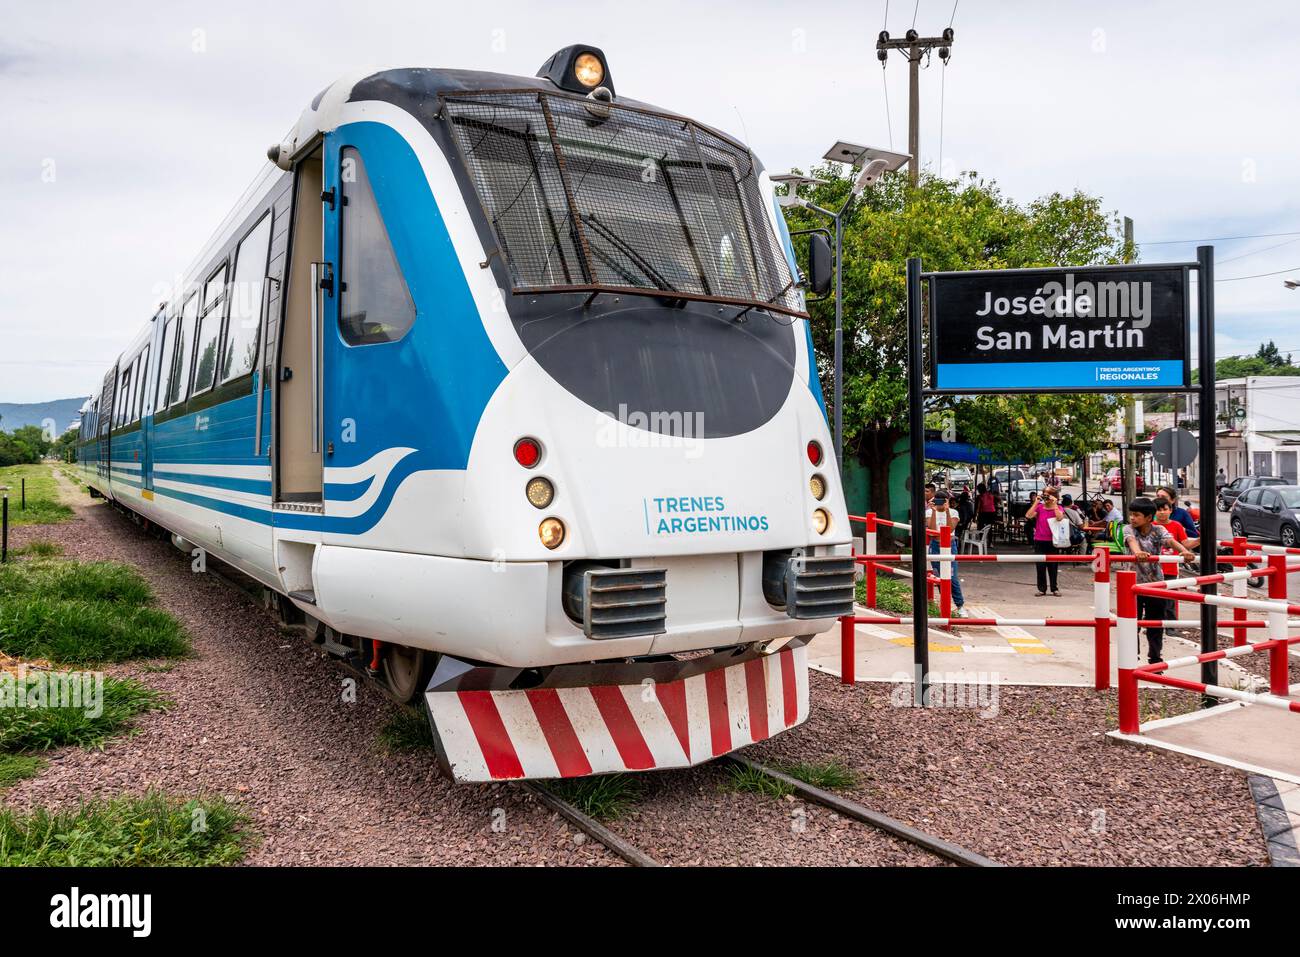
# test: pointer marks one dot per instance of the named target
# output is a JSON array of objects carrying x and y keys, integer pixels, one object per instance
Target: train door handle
[{"x": 318, "y": 281}]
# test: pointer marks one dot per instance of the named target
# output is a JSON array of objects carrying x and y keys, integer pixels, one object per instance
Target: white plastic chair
[{"x": 973, "y": 543}]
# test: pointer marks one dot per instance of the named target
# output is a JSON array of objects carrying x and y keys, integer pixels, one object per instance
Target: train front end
[{"x": 648, "y": 525}]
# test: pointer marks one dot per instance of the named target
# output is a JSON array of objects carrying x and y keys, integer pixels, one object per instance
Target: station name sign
[{"x": 1096, "y": 329}]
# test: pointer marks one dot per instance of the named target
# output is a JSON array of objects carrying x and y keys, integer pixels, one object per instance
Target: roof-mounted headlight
[
  {"x": 578, "y": 69},
  {"x": 588, "y": 70}
]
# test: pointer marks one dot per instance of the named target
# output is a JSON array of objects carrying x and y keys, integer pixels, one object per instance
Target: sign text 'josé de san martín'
[{"x": 1109, "y": 328}]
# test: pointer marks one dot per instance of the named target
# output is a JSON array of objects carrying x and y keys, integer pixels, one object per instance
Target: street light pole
[{"x": 873, "y": 162}]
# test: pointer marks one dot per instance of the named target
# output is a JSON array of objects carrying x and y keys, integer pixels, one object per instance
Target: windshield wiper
[{"x": 627, "y": 250}]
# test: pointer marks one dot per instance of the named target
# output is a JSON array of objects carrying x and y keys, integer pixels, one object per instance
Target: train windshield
[{"x": 587, "y": 196}]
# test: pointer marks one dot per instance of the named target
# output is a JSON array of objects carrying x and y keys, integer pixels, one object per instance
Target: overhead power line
[
  {"x": 1260, "y": 275},
  {"x": 1213, "y": 239}
]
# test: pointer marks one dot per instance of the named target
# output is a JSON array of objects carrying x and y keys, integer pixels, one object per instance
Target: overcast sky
[{"x": 131, "y": 128}]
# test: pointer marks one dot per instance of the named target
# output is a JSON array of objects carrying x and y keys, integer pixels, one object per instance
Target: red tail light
[
  {"x": 815, "y": 452},
  {"x": 528, "y": 452}
]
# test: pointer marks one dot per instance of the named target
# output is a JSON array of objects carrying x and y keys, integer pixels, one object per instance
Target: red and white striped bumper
[{"x": 635, "y": 724}]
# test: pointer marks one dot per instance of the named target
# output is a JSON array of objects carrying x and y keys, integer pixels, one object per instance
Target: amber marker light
[{"x": 551, "y": 532}]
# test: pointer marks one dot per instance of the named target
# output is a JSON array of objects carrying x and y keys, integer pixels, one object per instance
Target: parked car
[
  {"x": 1013, "y": 474},
  {"x": 1230, "y": 492},
  {"x": 1018, "y": 495},
  {"x": 1113, "y": 481},
  {"x": 1268, "y": 511},
  {"x": 957, "y": 478}
]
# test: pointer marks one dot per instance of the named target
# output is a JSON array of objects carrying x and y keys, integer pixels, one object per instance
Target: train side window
[
  {"x": 180, "y": 387},
  {"x": 375, "y": 304},
  {"x": 162, "y": 389},
  {"x": 123, "y": 397},
  {"x": 207, "y": 339},
  {"x": 141, "y": 405},
  {"x": 240, "y": 355},
  {"x": 133, "y": 400}
]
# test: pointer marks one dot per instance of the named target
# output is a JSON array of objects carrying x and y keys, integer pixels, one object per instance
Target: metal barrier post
[
  {"x": 1279, "y": 678},
  {"x": 1238, "y": 591},
  {"x": 1126, "y": 651},
  {"x": 1101, "y": 613},
  {"x": 1169, "y": 569},
  {"x": 846, "y": 650},
  {"x": 870, "y": 540},
  {"x": 945, "y": 573}
]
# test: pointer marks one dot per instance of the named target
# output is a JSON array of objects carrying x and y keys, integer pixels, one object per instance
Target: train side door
[
  {"x": 367, "y": 306},
  {"x": 298, "y": 463},
  {"x": 147, "y": 403},
  {"x": 107, "y": 402}
]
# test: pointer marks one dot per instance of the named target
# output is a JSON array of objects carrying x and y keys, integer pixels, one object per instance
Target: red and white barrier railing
[
  {"x": 1276, "y": 608},
  {"x": 1102, "y": 621},
  {"x": 870, "y": 542}
]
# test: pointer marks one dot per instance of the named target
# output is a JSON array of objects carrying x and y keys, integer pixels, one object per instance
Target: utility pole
[
  {"x": 1130, "y": 403},
  {"x": 914, "y": 46}
]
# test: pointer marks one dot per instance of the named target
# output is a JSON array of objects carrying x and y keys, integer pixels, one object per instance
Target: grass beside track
[
  {"x": 18, "y": 767},
  {"x": 605, "y": 797},
  {"x": 828, "y": 775},
  {"x": 407, "y": 730},
  {"x": 74, "y": 613},
  {"x": 32, "y": 729},
  {"x": 44, "y": 506},
  {"x": 153, "y": 830}
]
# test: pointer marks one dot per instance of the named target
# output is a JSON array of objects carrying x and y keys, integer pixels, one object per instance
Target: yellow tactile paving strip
[{"x": 1019, "y": 641}]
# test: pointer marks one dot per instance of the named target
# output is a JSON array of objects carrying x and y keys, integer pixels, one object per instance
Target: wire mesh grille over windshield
[{"x": 633, "y": 200}]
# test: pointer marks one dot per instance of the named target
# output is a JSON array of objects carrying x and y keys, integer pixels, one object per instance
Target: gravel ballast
[{"x": 261, "y": 717}]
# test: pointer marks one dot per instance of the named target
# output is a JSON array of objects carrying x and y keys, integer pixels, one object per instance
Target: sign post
[
  {"x": 920, "y": 541},
  {"x": 1122, "y": 328},
  {"x": 1209, "y": 510}
]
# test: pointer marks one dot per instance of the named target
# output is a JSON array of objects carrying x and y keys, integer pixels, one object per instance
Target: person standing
[
  {"x": 939, "y": 514},
  {"x": 1220, "y": 480},
  {"x": 1039, "y": 518},
  {"x": 965, "y": 514},
  {"x": 1179, "y": 514},
  {"x": 986, "y": 506},
  {"x": 1145, "y": 540}
]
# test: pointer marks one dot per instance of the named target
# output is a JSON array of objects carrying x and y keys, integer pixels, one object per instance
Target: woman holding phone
[{"x": 1041, "y": 514}]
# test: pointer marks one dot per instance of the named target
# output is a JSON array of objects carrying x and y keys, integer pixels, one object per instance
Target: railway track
[
  {"x": 840, "y": 805},
  {"x": 638, "y": 858}
]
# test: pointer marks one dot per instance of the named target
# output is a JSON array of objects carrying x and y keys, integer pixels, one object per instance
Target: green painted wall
[{"x": 857, "y": 487}]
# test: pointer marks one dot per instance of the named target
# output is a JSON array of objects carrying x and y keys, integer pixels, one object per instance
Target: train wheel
[{"x": 405, "y": 672}]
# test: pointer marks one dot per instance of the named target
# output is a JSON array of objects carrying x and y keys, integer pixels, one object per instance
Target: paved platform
[{"x": 1250, "y": 737}]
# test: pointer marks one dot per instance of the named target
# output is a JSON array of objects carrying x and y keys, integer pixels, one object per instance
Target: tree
[
  {"x": 1269, "y": 355},
  {"x": 964, "y": 223},
  {"x": 1266, "y": 361},
  {"x": 65, "y": 446}
]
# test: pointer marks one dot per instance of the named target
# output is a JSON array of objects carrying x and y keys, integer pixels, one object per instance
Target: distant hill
[{"x": 14, "y": 415}]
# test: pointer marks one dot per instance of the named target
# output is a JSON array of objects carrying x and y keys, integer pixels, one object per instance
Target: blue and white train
[{"x": 505, "y": 385}]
